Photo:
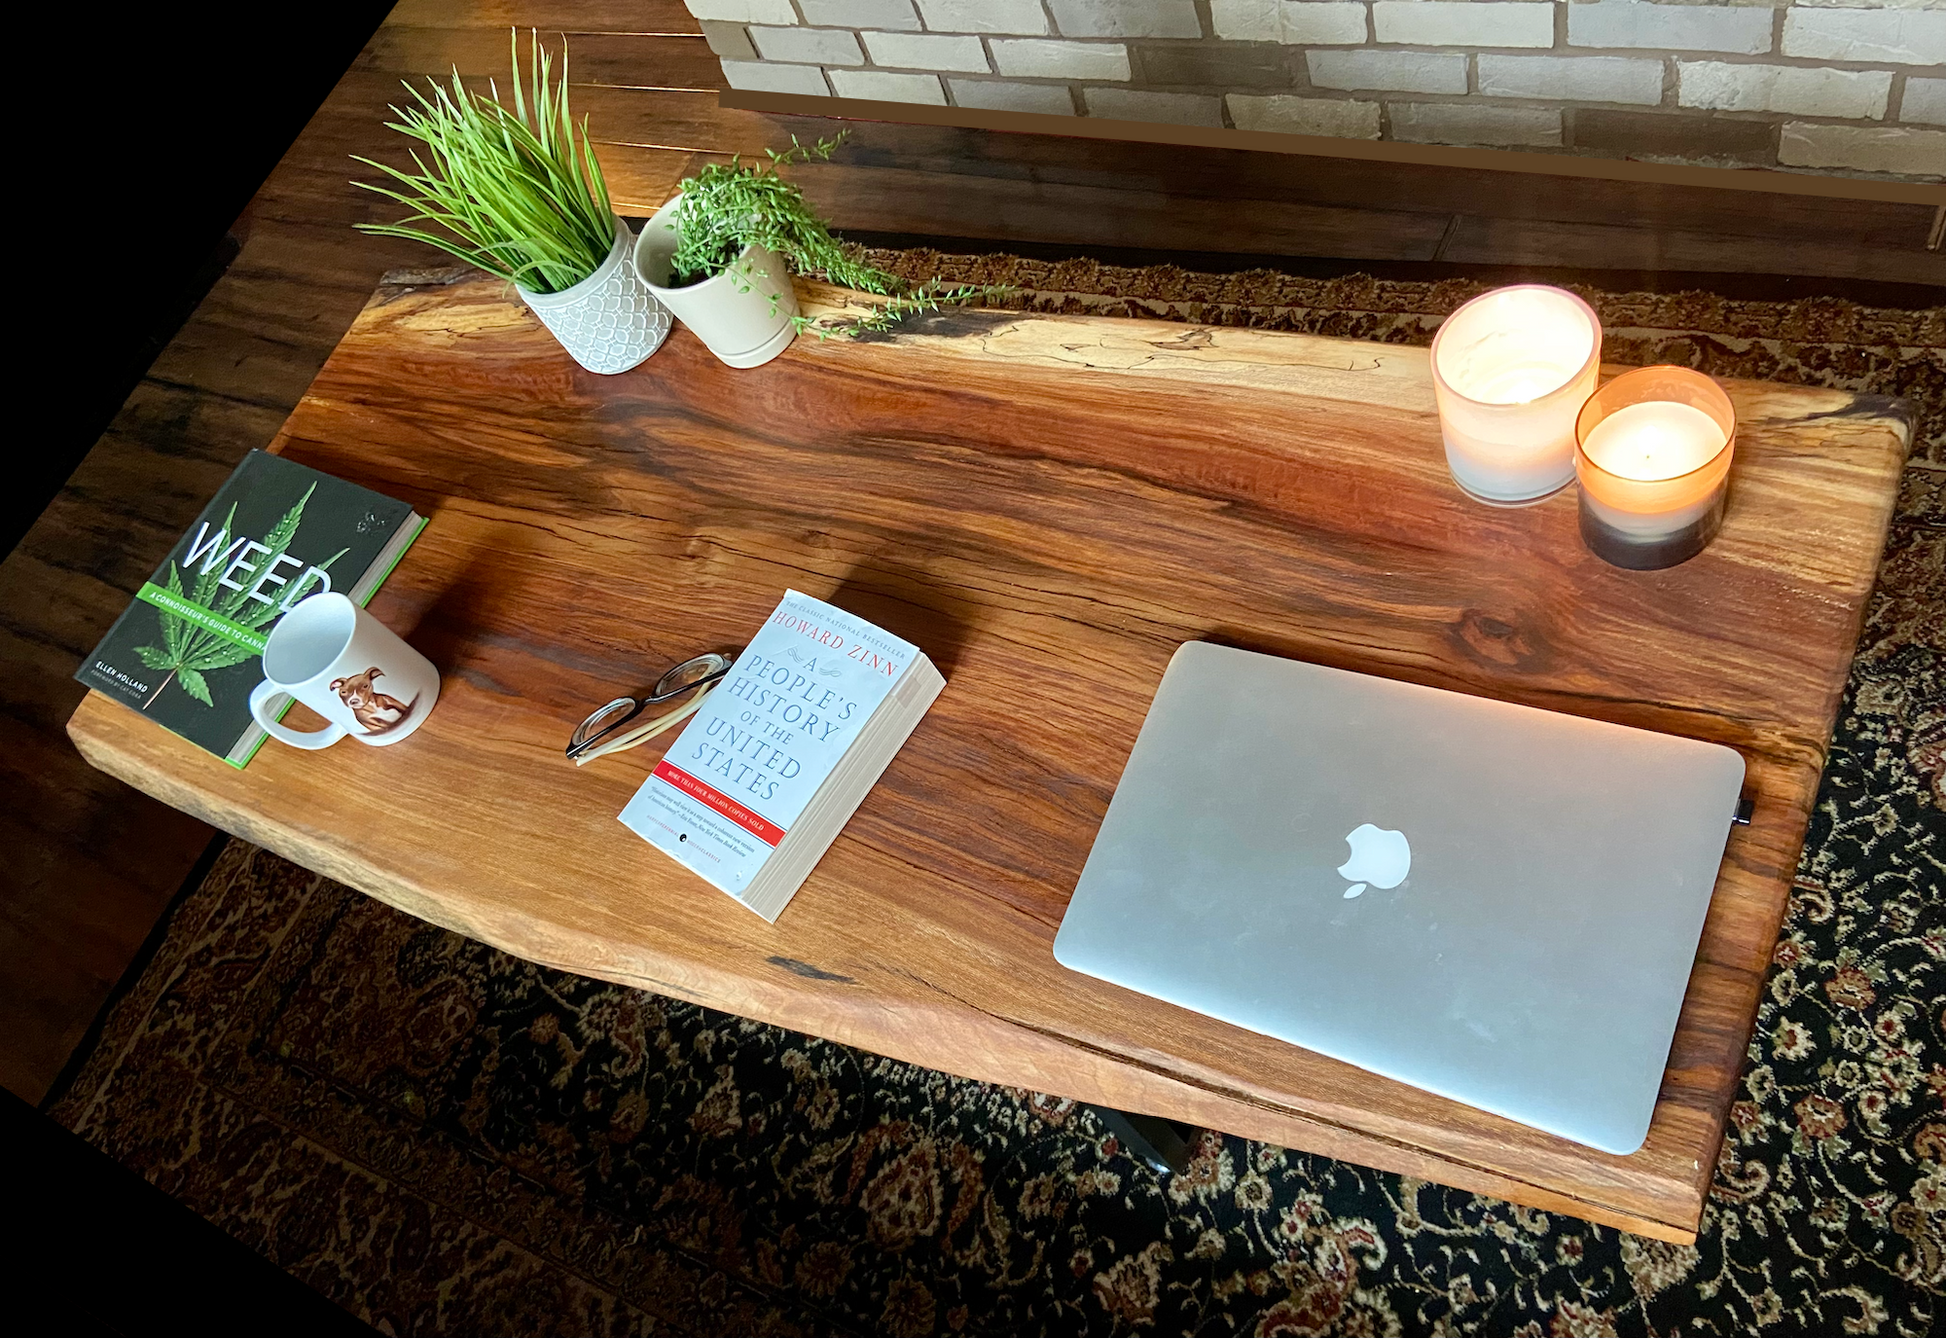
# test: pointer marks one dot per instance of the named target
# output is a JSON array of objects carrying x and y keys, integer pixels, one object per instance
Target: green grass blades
[{"x": 515, "y": 191}]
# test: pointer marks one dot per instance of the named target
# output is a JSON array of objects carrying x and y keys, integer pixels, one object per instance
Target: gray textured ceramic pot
[{"x": 610, "y": 321}]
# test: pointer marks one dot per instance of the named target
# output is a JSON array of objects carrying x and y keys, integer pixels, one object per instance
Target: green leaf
[
  {"x": 514, "y": 190},
  {"x": 221, "y": 657},
  {"x": 188, "y": 650},
  {"x": 278, "y": 541},
  {"x": 192, "y": 683},
  {"x": 172, "y": 627},
  {"x": 213, "y": 563}
]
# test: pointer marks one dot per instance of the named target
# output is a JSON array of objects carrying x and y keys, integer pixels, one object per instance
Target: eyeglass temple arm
[{"x": 643, "y": 733}]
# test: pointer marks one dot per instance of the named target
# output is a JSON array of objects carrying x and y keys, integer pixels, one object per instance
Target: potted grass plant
[
  {"x": 720, "y": 256},
  {"x": 517, "y": 192}
]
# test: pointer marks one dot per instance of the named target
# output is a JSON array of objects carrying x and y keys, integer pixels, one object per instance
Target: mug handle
[{"x": 297, "y": 738}]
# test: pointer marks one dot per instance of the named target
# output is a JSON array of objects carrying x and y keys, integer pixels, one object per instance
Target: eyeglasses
[{"x": 605, "y": 730}]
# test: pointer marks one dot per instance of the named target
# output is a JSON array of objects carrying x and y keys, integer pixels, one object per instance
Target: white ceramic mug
[{"x": 350, "y": 668}]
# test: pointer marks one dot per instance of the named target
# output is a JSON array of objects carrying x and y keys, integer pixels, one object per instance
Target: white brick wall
[
  {"x": 1863, "y": 148},
  {"x": 808, "y": 46},
  {"x": 1399, "y": 71},
  {"x": 1857, "y": 94},
  {"x": 1470, "y": 23},
  {"x": 1902, "y": 37},
  {"x": 1829, "y": 85},
  {"x": 897, "y": 15},
  {"x": 979, "y": 16},
  {"x": 884, "y": 86},
  {"x": 1337, "y": 117},
  {"x": 1127, "y": 104},
  {"x": 1475, "y": 123},
  {"x": 926, "y": 51},
  {"x": 1060, "y": 60},
  {"x": 1005, "y": 95},
  {"x": 1573, "y": 78},
  {"x": 762, "y": 76},
  {"x": 1126, "y": 18},
  {"x": 1744, "y": 29},
  {"x": 1924, "y": 100},
  {"x": 1299, "y": 22}
]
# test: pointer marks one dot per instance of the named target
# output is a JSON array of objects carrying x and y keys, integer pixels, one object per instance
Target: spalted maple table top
[{"x": 1048, "y": 506}]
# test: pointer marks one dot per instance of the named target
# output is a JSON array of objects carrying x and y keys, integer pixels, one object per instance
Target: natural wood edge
[
  {"x": 1767, "y": 180},
  {"x": 1326, "y": 366},
  {"x": 96, "y": 726}
]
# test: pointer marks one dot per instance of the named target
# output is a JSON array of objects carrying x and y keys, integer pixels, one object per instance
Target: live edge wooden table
[{"x": 1048, "y": 506}]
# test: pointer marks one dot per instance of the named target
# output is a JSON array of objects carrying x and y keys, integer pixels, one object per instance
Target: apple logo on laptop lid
[{"x": 1379, "y": 856}]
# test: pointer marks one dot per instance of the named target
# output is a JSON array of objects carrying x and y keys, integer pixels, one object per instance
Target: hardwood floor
[{"x": 94, "y": 863}]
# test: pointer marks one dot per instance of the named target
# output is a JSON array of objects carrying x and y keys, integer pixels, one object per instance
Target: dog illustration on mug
[{"x": 375, "y": 712}]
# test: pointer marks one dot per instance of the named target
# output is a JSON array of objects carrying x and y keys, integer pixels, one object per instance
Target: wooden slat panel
[
  {"x": 623, "y": 59},
  {"x": 1221, "y": 174},
  {"x": 641, "y": 181},
  {"x": 97, "y": 864},
  {"x": 888, "y": 200},
  {"x": 1041, "y": 503},
  {"x": 1198, "y": 138},
  {"x": 610, "y": 16},
  {"x": 1833, "y": 249},
  {"x": 675, "y": 120}
]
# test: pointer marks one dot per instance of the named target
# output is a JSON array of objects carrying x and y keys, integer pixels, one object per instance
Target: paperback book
[
  {"x": 188, "y": 649},
  {"x": 783, "y": 750}
]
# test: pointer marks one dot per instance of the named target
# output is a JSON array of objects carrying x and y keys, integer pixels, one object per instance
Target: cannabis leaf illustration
[{"x": 187, "y": 651}]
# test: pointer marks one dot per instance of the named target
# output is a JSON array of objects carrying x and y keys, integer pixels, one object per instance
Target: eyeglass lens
[
  {"x": 689, "y": 673},
  {"x": 603, "y": 720}
]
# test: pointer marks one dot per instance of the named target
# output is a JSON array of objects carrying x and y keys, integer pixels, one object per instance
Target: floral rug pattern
[{"x": 445, "y": 1139}]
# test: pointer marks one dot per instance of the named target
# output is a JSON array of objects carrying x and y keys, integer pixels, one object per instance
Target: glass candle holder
[
  {"x": 1653, "y": 451},
  {"x": 1510, "y": 370}
]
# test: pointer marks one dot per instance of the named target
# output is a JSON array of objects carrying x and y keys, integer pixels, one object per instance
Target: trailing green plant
[
  {"x": 729, "y": 207},
  {"x": 515, "y": 191}
]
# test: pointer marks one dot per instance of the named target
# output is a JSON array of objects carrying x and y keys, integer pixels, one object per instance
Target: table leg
[{"x": 1164, "y": 1145}]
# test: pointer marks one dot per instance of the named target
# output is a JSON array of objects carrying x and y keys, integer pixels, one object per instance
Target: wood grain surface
[{"x": 1048, "y": 506}]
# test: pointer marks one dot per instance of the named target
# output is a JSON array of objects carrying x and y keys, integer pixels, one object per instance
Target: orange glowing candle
[{"x": 1653, "y": 458}]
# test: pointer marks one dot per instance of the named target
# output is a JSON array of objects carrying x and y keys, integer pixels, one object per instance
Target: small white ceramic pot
[
  {"x": 610, "y": 321},
  {"x": 742, "y": 315}
]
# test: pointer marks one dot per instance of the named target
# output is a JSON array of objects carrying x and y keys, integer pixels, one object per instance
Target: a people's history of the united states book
[
  {"x": 783, "y": 750},
  {"x": 188, "y": 650}
]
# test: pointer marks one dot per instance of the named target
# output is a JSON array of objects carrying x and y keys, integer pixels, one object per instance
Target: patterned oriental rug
[{"x": 445, "y": 1139}]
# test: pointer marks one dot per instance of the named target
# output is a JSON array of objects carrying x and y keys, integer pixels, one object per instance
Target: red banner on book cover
[{"x": 755, "y": 823}]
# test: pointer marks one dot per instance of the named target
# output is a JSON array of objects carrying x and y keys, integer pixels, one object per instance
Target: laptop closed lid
[{"x": 1521, "y": 898}]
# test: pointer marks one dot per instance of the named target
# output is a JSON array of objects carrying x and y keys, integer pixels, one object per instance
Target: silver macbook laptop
[{"x": 1487, "y": 901}]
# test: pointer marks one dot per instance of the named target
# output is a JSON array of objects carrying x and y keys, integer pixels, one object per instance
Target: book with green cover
[{"x": 188, "y": 650}]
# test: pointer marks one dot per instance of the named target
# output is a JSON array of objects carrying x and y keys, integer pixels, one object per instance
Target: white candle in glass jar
[{"x": 1511, "y": 369}]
